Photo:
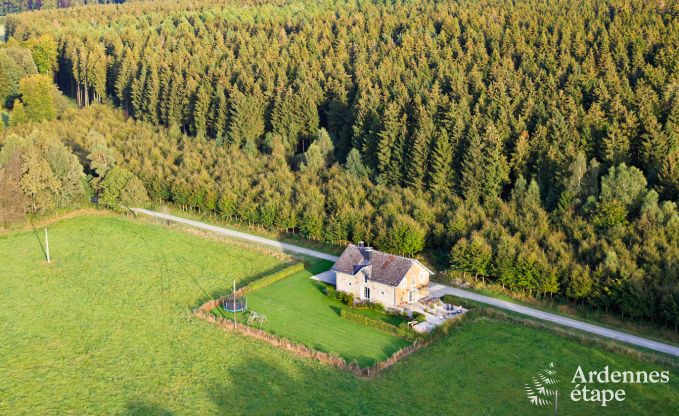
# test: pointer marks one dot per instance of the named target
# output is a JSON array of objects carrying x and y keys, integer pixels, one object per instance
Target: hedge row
[
  {"x": 403, "y": 330},
  {"x": 272, "y": 278}
]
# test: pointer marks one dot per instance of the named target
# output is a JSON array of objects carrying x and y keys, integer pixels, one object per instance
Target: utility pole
[{"x": 47, "y": 246}]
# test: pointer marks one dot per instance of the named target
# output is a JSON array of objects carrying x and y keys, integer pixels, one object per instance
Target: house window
[
  {"x": 365, "y": 279},
  {"x": 349, "y": 283},
  {"x": 366, "y": 293},
  {"x": 381, "y": 292}
]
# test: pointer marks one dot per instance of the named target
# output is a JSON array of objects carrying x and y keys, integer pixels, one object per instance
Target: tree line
[
  {"x": 18, "y": 6},
  {"x": 529, "y": 143}
]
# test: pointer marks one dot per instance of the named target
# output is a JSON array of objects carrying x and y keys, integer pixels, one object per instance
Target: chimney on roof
[
  {"x": 368, "y": 254},
  {"x": 361, "y": 244}
]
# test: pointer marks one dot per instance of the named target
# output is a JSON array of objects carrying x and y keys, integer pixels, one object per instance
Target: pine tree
[
  {"x": 355, "y": 164},
  {"x": 218, "y": 114},
  {"x": 473, "y": 170},
  {"x": 137, "y": 94},
  {"x": 246, "y": 119},
  {"x": 495, "y": 164},
  {"x": 150, "y": 96},
  {"x": 201, "y": 104},
  {"x": 668, "y": 177},
  {"x": 419, "y": 155},
  {"x": 440, "y": 172},
  {"x": 388, "y": 147}
]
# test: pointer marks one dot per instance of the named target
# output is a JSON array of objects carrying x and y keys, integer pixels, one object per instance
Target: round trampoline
[{"x": 239, "y": 304}]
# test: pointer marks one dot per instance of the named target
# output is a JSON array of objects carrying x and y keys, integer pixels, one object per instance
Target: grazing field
[
  {"x": 107, "y": 329},
  {"x": 296, "y": 308}
]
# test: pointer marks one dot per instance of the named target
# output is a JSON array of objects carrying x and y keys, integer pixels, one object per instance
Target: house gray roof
[{"x": 380, "y": 267}]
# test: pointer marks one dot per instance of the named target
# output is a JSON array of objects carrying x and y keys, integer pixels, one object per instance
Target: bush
[
  {"x": 121, "y": 189},
  {"x": 405, "y": 331},
  {"x": 377, "y": 307},
  {"x": 345, "y": 298},
  {"x": 419, "y": 317},
  {"x": 400, "y": 314},
  {"x": 364, "y": 304}
]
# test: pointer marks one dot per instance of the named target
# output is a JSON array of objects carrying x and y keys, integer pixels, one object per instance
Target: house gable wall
[
  {"x": 347, "y": 283},
  {"x": 416, "y": 279},
  {"x": 379, "y": 292}
]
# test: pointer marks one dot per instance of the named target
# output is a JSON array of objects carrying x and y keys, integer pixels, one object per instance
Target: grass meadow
[{"x": 107, "y": 329}]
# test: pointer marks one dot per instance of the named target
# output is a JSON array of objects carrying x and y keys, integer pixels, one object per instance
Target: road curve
[{"x": 437, "y": 288}]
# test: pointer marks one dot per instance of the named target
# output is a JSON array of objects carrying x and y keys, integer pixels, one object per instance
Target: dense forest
[
  {"x": 17, "y": 6},
  {"x": 534, "y": 143}
]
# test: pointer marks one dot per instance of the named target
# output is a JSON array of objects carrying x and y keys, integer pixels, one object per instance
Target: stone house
[{"x": 371, "y": 275}]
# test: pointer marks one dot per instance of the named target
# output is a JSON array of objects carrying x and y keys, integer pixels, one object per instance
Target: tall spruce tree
[{"x": 440, "y": 171}]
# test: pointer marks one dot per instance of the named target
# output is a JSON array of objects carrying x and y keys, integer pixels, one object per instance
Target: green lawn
[
  {"x": 107, "y": 329},
  {"x": 296, "y": 308}
]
